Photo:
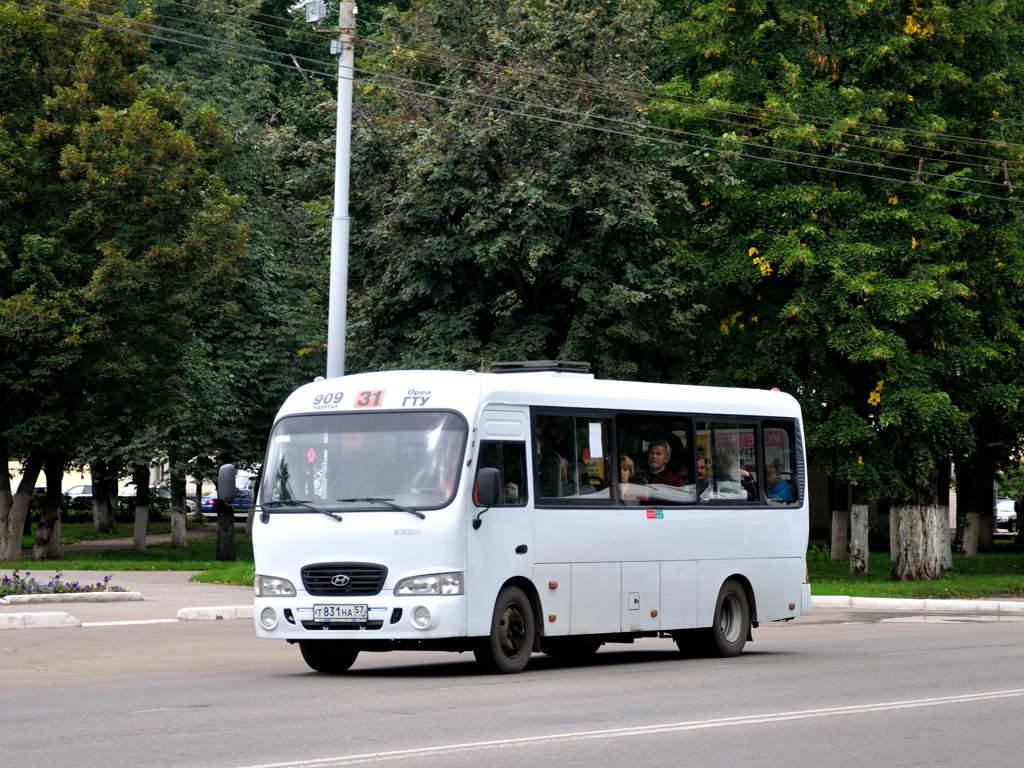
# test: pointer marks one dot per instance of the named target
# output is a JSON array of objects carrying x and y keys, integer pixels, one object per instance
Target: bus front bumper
[{"x": 379, "y": 618}]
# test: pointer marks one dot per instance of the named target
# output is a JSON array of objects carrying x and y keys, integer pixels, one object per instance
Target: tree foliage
[
  {"x": 499, "y": 213},
  {"x": 864, "y": 255},
  {"x": 113, "y": 210},
  {"x": 865, "y": 246}
]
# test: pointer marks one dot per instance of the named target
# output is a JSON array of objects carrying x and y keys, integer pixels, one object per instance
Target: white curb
[
  {"x": 905, "y": 604},
  {"x": 215, "y": 613},
  {"x": 38, "y": 620},
  {"x": 73, "y": 597}
]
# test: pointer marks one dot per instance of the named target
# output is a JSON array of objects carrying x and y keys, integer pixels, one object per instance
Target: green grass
[
  {"x": 199, "y": 555},
  {"x": 992, "y": 575},
  {"x": 998, "y": 574}
]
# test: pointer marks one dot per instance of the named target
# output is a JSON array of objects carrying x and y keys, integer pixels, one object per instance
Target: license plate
[{"x": 350, "y": 614}]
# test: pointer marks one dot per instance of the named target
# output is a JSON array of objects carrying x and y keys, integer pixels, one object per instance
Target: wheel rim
[
  {"x": 729, "y": 622},
  {"x": 512, "y": 634}
]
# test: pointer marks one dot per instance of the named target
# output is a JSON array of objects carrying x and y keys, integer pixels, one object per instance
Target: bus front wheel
[
  {"x": 330, "y": 656},
  {"x": 507, "y": 649}
]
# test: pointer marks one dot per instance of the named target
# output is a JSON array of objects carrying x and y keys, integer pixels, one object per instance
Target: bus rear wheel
[
  {"x": 508, "y": 647},
  {"x": 728, "y": 634},
  {"x": 329, "y": 656}
]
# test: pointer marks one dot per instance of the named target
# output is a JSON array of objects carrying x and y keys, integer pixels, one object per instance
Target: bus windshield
[{"x": 376, "y": 460}]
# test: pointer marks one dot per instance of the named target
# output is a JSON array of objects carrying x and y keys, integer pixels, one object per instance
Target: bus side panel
[
  {"x": 641, "y": 593},
  {"x": 785, "y": 598},
  {"x": 679, "y": 594},
  {"x": 554, "y": 585},
  {"x": 595, "y": 598}
]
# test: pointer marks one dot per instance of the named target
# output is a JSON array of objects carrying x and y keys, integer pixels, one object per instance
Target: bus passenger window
[
  {"x": 729, "y": 460},
  {"x": 572, "y": 458},
  {"x": 510, "y": 460},
  {"x": 781, "y": 483}
]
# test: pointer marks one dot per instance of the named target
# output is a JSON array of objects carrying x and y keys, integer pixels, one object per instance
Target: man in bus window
[
  {"x": 658, "y": 455},
  {"x": 552, "y": 466},
  {"x": 702, "y": 477}
]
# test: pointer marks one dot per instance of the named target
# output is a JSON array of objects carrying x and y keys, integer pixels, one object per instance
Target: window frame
[{"x": 693, "y": 425}]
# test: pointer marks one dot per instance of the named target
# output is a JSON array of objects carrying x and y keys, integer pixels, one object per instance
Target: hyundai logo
[{"x": 341, "y": 580}]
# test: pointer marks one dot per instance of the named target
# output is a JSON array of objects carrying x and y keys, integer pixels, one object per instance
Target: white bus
[{"x": 496, "y": 513}]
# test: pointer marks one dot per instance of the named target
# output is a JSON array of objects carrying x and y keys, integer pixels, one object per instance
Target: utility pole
[{"x": 337, "y": 309}]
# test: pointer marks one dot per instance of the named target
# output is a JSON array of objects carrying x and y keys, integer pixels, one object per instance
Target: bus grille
[{"x": 343, "y": 578}]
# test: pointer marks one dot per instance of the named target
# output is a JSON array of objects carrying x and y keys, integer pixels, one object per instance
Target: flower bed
[{"x": 16, "y": 584}]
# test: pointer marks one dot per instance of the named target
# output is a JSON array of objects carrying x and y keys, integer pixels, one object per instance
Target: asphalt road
[{"x": 838, "y": 688}]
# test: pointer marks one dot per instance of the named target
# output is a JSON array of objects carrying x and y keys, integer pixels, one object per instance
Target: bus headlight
[
  {"x": 273, "y": 586},
  {"x": 431, "y": 584},
  {"x": 421, "y": 617}
]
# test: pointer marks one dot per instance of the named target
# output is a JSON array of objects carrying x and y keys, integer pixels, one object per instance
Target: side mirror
[
  {"x": 488, "y": 486},
  {"x": 226, "y": 483}
]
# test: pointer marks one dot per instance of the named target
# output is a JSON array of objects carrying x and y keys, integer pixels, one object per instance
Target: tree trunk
[
  {"x": 975, "y": 492},
  {"x": 839, "y": 499},
  {"x": 858, "y": 533},
  {"x": 47, "y": 540},
  {"x": 14, "y": 508},
  {"x": 920, "y": 537},
  {"x": 140, "y": 477},
  {"x": 943, "y": 478},
  {"x": 225, "y": 531},
  {"x": 104, "y": 497},
  {"x": 179, "y": 509},
  {"x": 972, "y": 534}
]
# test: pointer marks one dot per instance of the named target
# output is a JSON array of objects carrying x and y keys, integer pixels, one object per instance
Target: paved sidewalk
[
  {"x": 169, "y": 596},
  {"x": 154, "y": 596}
]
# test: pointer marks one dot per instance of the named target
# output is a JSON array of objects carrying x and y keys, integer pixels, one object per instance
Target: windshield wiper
[
  {"x": 390, "y": 503},
  {"x": 278, "y": 503}
]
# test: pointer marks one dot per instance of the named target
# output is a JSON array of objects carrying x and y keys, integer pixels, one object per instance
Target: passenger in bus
[
  {"x": 552, "y": 467},
  {"x": 779, "y": 488},
  {"x": 583, "y": 481},
  {"x": 702, "y": 477},
  {"x": 626, "y": 469},
  {"x": 732, "y": 481},
  {"x": 658, "y": 455}
]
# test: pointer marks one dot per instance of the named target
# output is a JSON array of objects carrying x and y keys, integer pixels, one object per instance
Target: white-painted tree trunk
[
  {"x": 179, "y": 529},
  {"x": 919, "y": 539},
  {"x": 858, "y": 538}
]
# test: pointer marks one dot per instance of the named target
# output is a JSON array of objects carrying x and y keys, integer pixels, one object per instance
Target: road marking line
[
  {"x": 694, "y": 725},
  {"x": 126, "y": 623}
]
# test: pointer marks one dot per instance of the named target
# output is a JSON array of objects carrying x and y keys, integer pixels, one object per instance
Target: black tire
[
  {"x": 728, "y": 634},
  {"x": 513, "y": 628},
  {"x": 329, "y": 656},
  {"x": 569, "y": 647}
]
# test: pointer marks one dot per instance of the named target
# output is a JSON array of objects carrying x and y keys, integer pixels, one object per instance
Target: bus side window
[
  {"x": 782, "y": 484},
  {"x": 510, "y": 460}
]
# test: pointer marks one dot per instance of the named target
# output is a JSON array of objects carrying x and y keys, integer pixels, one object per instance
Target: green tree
[
  {"x": 865, "y": 241},
  {"x": 498, "y": 210},
  {"x": 113, "y": 212}
]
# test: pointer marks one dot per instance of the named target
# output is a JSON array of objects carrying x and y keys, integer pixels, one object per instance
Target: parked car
[
  {"x": 1006, "y": 515},
  {"x": 243, "y": 500},
  {"x": 79, "y": 491},
  {"x": 208, "y": 506},
  {"x": 159, "y": 491}
]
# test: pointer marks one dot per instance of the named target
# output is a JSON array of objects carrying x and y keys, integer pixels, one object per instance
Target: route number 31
[{"x": 369, "y": 398}]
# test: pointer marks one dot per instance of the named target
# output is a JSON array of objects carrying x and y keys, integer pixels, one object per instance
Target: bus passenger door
[{"x": 502, "y": 547}]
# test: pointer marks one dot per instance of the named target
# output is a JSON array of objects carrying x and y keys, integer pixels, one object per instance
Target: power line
[{"x": 518, "y": 107}]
